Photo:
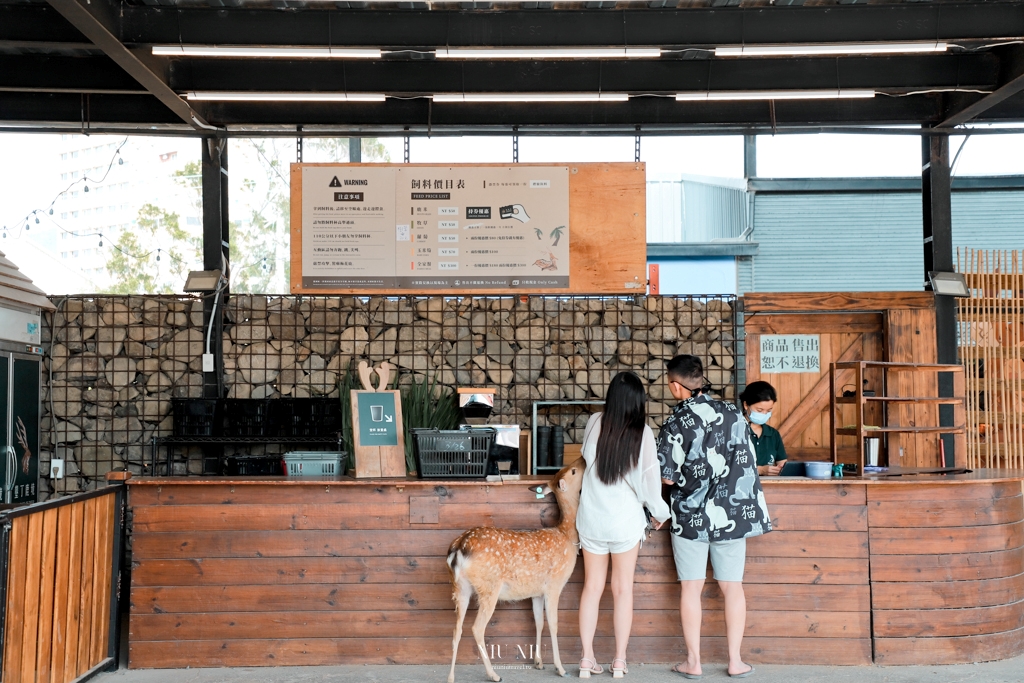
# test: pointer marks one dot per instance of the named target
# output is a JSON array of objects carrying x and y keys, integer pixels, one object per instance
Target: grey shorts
[{"x": 727, "y": 558}]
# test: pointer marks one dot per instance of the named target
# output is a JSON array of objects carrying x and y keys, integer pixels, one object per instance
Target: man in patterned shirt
[{"x": 717, "y": 503}]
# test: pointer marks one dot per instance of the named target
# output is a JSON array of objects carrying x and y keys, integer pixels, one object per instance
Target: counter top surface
[{"x": 905, "y": 477}]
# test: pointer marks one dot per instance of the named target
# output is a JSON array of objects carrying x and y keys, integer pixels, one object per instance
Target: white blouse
[{"x": 615, "y": 513}]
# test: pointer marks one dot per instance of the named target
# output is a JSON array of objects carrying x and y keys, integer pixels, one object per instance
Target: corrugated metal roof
[
  {"x": 837, "y": 242},
  {"x": 863, "y": 241},
  {"x": 686, "y": 209},
  {"x": 17, "y": 288}
]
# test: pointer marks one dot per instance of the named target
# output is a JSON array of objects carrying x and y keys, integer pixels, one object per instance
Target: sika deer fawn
[{"x": 501, "y": 564}]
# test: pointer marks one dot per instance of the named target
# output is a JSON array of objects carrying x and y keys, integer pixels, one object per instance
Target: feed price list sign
[
  {"x": 348, "y": 227},
  {"x": 435, "y": 227}
]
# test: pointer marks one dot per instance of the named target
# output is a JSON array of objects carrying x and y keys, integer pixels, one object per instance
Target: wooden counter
[{"x": 273, "y": 571}]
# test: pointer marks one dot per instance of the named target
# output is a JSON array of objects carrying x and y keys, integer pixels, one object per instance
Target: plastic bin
[
  {"x": 314, "y": 463},
  {"x": 300, "y": 417},
  {"x": 452, "y": 454},
  {"x": 254, "y": 466},
  {"x": 246, "y": 417},
  {"x": 195, "y": 416}
]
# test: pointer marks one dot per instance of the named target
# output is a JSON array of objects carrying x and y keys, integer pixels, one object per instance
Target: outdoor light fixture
[
  {"x": 948, "y": 284},
  {"x": 532, "y": 97},
  {"x": 286, "y": 96},
  {"x": 295, "y": 52},
  {"x": 828, "y": 49},
  {"x": 725, "y": 95},
  {"x": 549, "y": 53},
  {"x": 203, "y": 281}
]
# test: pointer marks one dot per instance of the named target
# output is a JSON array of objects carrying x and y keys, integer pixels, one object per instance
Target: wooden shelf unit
[{"x": 882, "y": 397}]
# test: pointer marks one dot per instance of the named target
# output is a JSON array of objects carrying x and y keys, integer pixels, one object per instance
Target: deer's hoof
[
  {"x": 496, "y": 678},
  {"x": 561, "y": 672},
  {"x": 538, "y": 665}
]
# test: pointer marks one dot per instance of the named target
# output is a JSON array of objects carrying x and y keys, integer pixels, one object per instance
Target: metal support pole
[
  {"x": 405, "y": 149},
  {"x": 515, "y": 144},
  {"x": 937, "y": 214},
  {"x": 355, "y": 150},
  {"x": 298, "y": 145},
  {"x": 749, "y": 156},
  {"x": 216, "y": 256},
  {"x": 636, "y": 149}
]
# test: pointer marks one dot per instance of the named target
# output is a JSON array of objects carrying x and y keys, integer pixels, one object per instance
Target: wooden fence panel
[{"x": 57, "y": 613}]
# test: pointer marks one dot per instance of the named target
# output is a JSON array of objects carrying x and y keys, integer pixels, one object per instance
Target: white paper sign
[{"x": 790, "y": 353}]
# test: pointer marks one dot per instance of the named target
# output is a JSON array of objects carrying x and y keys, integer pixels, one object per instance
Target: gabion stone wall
[{"x": 117, "y": 361}]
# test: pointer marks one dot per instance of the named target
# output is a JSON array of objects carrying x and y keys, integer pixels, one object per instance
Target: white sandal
[
  {"x": 618, "y": 672},
  {"x": 585, "y": 671}
]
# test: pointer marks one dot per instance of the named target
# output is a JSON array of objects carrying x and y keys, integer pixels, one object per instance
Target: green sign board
[{"x": 378, "y": 425}]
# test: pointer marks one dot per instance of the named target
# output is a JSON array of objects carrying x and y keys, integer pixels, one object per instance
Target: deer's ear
[
  {"x": 562, "y": 486},
  {"x": 545, "y": 491}
]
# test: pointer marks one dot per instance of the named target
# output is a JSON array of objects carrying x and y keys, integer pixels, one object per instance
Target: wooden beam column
[{"x": 216, "y": 256}]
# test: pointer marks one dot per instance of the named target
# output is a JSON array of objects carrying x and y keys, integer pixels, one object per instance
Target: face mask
[{"x": 759, "y": 418}]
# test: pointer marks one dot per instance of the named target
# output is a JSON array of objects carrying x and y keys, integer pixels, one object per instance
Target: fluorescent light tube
[
  {"x": 549, "y": 53},
  {"x": 285, "y": 96},
  {"x": 828, "y": 49},
  {"x": 298, "y": 52},
  {"x": 725, "y": 95},
  {"x": 532, "y": 97}
]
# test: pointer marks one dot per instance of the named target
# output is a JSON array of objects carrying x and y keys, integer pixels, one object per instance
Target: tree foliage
[{"x": 138, "y": 265}]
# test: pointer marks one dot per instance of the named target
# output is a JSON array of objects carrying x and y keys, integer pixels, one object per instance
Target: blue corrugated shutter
[
  {"x": 837, "y": 242},
  {"x": 988, "y": 220}
]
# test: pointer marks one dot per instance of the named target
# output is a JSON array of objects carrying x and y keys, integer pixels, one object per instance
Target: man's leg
[
  {"x": 728, "y": 559},
  {"x": 691, "y": 559},
  {"x": 735, "y": 623},
  {"x": 690, "y": 614}
]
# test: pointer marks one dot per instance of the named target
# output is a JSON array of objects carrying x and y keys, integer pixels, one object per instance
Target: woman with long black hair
[{"x": 622, "y": 477}]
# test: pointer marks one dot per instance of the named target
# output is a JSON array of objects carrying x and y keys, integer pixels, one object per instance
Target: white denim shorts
[
  {"x": 605, "y": 547},
  {"x": 727, "y": 558}
]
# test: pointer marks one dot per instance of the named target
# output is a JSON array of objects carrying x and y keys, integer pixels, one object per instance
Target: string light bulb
[
  {"x": 120, "y": 161},
  {"x": 101, "y": 240},
  {"x": 86, "y": 188},
  {"x": 37, "y": 220},
  {"x": 51, "y": 210},
  {"x": 157, "y": 254}
]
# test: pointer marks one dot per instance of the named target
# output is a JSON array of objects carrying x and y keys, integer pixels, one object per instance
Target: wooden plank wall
[
  {"x": 947, "y": 572},
  {"x": 58, "y": 592},
  {"x": 607, "y": 231},
  {"x": 892, "y": 326},
  {"x": 263, "y": 575}
]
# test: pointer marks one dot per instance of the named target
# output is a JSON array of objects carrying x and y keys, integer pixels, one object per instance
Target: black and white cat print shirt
[{"x": 705, "y": 449}]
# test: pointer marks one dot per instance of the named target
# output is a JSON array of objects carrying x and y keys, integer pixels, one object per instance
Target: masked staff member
[{"x": 758, "y": 399}]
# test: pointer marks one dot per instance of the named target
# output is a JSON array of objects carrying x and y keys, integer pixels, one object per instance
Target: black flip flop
[{"x": 684, "y": 674}]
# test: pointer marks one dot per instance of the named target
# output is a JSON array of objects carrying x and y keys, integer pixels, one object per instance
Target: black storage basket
[
  {"x": 452, "y": 453},
  {"x": 302, "y": 417},
  {"x": 254, "y": 466},
  {"x": 195, "y": 416},
  {"x": 245, "y": 418}
]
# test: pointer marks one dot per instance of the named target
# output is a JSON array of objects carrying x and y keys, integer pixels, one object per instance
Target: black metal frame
[{"x": 120, "y": 493}]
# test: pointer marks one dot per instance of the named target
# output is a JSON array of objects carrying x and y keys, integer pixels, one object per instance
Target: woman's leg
[
  {"x": 595, "y": 568},
  {"x": 623, "y": 567}
]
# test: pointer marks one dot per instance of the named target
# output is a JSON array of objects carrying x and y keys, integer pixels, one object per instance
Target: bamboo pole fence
[{"x": 991, "y": 345}]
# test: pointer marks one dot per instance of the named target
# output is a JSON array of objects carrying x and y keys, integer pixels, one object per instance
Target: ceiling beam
[
  {"x": 956, "y": 21},
  {"x": 899, "y": 74},
  {"x": 54, "y": 73},
  {"x": 96, "y": 22},
  {"x": 1012, "y": 83}
]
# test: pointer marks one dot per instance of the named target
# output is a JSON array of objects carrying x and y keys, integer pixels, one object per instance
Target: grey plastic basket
[
  {"x": 314, "y": 463},
  {"x": 452, "y": 453}
]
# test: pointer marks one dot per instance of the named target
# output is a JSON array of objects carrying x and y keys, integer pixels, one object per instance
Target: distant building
[{"x": 115, "y": 194}]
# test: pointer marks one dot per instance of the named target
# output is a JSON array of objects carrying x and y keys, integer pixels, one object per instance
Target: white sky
[{"x": 29, "y": 179}]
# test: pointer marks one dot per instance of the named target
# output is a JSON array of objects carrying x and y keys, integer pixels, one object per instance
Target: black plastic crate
[
  {"x": 246, "y": 418},
  {"x": 452, "y": 453},
  {"x": 302, "y": 417},
  {"x": 195, "y": 416},
  {"x": 254, "y": 466}
]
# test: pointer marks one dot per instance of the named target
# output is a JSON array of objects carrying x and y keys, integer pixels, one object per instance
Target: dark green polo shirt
[{"x": 768, "y": 446}]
